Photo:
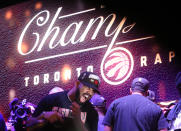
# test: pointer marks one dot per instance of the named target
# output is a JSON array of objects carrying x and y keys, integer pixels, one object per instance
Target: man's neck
[
  {"x": 138, "y": 93},
  {"x": 101, "y": 113}
]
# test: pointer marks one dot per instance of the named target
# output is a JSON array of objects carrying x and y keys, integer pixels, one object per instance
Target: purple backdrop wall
[{"x": 138, "y": 50}]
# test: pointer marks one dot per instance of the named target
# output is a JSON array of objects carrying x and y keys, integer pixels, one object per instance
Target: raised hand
[{"x": 76, "y": 112}]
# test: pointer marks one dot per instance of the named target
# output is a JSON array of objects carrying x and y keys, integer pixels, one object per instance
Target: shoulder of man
[
  {"x": 115, "y": 103},
  {"x": 47, "y": 102},
  {"x": 54, "y": 96},
  {"x": 121, "y": 99}
]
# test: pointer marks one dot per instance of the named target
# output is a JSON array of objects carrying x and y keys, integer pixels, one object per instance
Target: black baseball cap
[
  {"x": 140, "y": 84},
  {"x": 90, "y": 80}
]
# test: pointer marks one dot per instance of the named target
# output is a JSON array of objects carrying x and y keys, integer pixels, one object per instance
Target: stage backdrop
[{"x": 49, "y": 43}]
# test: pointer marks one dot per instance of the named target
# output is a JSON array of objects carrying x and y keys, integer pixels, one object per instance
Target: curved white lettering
[
  {"x": 64, "y": 39},
  {"x": 40, "y": 22}
]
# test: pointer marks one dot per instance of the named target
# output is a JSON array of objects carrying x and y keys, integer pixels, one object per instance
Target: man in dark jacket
[
  {"x": 135, "y": 112},
  {"x": 68, "y": 110}
]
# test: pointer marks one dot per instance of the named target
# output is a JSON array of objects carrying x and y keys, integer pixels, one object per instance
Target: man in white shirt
[{"x": 174, "y": 116}]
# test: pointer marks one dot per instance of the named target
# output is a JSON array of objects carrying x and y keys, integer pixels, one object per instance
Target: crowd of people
[{"x": 83, "y": 108}]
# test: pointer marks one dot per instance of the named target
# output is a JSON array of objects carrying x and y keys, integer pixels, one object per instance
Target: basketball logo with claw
[{"x": 117, "y": 66}]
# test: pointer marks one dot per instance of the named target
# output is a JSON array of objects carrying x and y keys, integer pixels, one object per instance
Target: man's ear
[{"x": 146, "y": 93}]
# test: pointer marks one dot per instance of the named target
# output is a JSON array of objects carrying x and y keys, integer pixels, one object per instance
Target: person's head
[
  {"x": 140, "y": 85},
  {"x": 151, "y": 95},
  {"x": 86, "y": 86},
  {"x": 55, "y": 90},
  {"x": 178, "y": 82},
  {"x": 99, "y": 102}
]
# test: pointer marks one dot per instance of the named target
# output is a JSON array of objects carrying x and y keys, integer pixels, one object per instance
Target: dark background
[
  {"x": 162, "y": 16},
  {"x": 159, "y": 18}
]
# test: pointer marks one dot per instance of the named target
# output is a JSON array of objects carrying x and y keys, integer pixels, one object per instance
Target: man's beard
[{"x": 77, "y": 96}]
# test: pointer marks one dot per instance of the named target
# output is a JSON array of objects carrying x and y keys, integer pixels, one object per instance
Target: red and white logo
[{"x": 117, "y": 66}]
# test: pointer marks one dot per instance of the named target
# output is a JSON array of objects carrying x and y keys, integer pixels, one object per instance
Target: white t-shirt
[{"x": 176, "y": 123}]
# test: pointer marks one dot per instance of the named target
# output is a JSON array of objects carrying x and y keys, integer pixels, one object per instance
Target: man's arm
[
  {"x": 162, "y": 122},
  {"x": 108, "y": 119},
  {"x": 107, "y": 128},
  {"x": 34, "y": 123},
  {"x": 46, "y": 117},
  {"x": 43, "y": 115},
  {"x": 164, "y": 129},
  {"x": 36, "y": 120},
  {"x": 76, "y": 113}
]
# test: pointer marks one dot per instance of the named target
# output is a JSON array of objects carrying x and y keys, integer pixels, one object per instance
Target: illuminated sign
[
  {"x": 41, "y": 21},
  {"x": 123, "y": 61},
  {"x": 117, "y": 66},
  {"x": 50, "y": 45},
  {"x": 117, "y": 63}
]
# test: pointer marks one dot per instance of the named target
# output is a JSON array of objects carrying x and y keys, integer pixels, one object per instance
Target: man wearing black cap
[
  {"x": 68, "y": 111},
  {"x": 135, "y": 112}
]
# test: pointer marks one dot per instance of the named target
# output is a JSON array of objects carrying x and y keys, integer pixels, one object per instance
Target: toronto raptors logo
[{"x": 117, "y": 66}]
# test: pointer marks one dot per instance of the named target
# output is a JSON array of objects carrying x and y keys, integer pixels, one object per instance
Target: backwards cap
[{"x": 140, "y": 84}]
